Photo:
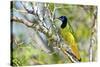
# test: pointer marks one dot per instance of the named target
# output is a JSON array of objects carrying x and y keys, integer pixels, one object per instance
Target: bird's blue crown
[{"x": 64, "y": 21}]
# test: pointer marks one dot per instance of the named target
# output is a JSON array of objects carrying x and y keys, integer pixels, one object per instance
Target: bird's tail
[{"x": 75, "y": 51}]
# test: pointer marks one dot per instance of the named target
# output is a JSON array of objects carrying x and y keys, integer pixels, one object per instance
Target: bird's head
[{"x": 63, "y": 20}]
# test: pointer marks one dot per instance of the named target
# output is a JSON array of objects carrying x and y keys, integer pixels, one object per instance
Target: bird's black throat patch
[
  {"x": 64, "y": 21},
  {"x": 63, "y": 25}
]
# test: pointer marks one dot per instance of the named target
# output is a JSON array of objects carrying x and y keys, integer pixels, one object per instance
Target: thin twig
[{"x": 91, "y": 39}]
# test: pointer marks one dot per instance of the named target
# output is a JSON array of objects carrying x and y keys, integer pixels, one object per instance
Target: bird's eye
[{"x": 62, "y": 18}]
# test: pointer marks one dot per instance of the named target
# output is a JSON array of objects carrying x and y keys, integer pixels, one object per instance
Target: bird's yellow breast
[{"x": 67, "y": 35}]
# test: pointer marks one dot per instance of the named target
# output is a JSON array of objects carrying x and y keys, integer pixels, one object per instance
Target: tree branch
[{"x": 93, "y": 31}]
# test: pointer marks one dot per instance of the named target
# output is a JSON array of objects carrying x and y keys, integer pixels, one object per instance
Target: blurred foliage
[
  {"x": 80, "y": 17},
  {"x": 27, "y": 55},
  {"x": 51, "y": 7}
]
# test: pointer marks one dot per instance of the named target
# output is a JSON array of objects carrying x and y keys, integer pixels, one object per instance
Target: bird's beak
[{"x": 59, "y": 18}]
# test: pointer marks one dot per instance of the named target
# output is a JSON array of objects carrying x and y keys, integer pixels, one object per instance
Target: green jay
[{"x": 68, "y": 36}]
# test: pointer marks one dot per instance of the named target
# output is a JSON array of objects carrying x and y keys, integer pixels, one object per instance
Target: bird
[{"x": 68, "y": 37}]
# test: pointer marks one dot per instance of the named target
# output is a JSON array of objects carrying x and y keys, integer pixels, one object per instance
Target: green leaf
[{"x": 51, "y": 7}]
